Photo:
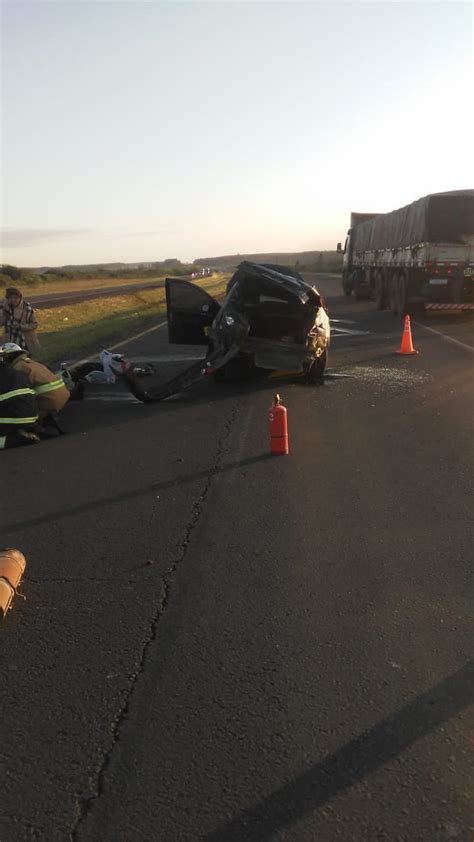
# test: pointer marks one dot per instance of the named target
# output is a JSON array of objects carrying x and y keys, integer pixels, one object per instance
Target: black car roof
[{"x": 289, "y": 279}]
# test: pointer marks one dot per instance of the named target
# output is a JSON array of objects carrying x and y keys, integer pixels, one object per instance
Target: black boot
[{"x": 19, "y": 438}]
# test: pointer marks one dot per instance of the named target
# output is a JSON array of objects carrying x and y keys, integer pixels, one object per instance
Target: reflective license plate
[{"x": 436, "y": 282}]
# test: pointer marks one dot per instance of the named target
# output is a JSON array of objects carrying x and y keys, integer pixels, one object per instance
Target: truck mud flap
[{"x": 449, "y": 307}]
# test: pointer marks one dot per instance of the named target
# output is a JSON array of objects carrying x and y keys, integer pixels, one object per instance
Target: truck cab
[{"x": 349, "y": 275}]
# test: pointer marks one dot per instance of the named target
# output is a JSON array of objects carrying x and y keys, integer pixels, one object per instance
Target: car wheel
[
  {"x": 233, "y": 372},
  {"x": 315, "y": 371}
]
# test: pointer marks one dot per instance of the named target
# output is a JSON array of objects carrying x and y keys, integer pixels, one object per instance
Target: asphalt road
[
  {"x": 58, "y": 299},
  {"x": 221, "y": 645}
]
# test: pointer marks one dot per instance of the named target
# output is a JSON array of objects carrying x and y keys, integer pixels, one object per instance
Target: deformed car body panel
[
  {"x": 271, "y": 318},
  {"x": 190, "y": 310},
  {"x": 269, "y": 311}
]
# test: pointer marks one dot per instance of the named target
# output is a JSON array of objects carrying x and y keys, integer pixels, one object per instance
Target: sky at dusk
[{"x": 140, "y": 131}]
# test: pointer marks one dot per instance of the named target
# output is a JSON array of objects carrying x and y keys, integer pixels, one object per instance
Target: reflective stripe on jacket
[
  {"x": 18, "y": 404},
  {"x": 49, "y": 388}
]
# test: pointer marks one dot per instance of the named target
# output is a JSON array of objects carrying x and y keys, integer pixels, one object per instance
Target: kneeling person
[
  {"x": 18, "y": 409},
  {"x": 49, "y": 388}
]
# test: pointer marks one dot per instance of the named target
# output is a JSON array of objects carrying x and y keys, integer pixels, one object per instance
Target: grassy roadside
[
  {"x": 82, "y": 284},
  {"x": 77, "y": 330}
]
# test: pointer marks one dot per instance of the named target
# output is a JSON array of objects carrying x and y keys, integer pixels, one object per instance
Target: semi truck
[{"x": 414, "y": 259}]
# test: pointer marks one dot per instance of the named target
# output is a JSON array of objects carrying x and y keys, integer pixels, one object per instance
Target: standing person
[{"x": 19, "y": 322}]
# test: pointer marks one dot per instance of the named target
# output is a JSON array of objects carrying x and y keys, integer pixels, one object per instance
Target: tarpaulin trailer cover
[{"x": 437, "y": 218}]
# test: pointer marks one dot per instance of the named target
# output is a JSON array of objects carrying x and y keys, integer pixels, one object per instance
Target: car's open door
[{"x": 191, "y": 312}]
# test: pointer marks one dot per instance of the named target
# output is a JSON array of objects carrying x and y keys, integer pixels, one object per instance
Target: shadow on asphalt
[
  {"x": 93, "y": 414},
  {"x": 352, "y": 763},
  {"x": 82, "y": 417},
  {"x": 92, "y": 505}
]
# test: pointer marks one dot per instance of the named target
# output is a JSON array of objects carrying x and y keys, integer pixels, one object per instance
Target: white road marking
[
  {"x": 137, "y": 336},
  {"x": 127, "y": 397},
  {"x": 332, "y": 375},
  {"x": 447, "y": 338},
  {"x": 341, "y": 331},
  {"x": 115, "y": 397},
  {"x": 335, "y": 333},
  {"x": 119, "y": 344},
  {"x": 167, "y": 358}
]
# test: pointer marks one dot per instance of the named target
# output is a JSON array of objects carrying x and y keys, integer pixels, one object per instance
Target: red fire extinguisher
[{"x": 278, "y": 426}]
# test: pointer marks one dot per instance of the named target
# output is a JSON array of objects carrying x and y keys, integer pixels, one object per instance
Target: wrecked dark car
[{"x": 271, "y": 319}]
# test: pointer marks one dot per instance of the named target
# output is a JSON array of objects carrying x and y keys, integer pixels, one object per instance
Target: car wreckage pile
[{"x": 271, "y": 319}]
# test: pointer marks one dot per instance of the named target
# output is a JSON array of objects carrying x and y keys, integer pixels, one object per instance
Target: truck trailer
[{"x": 414, "y": 259}]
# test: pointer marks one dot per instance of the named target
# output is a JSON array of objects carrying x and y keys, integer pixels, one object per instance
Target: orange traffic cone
[{"x": 407, "y": 345}]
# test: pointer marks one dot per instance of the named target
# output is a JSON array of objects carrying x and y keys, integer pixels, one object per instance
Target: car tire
[
  {"x": 315, "y": 371},
  {"x": 234, "y": 371}
]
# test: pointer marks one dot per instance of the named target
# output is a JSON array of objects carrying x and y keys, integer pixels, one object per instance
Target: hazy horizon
[
  {"x": 143, "y": 131},
  {"x": 199, "y": 258}
]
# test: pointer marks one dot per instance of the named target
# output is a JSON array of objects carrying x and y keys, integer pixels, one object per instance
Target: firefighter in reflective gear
[
  {"x": 49, "y": 388},
  {"x": 18, "y": 409}
]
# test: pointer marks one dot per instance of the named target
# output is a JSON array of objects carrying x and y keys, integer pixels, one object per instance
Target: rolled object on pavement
[
  {"x": 6, "y": 597},
  {"x": 12, "y": 567}
]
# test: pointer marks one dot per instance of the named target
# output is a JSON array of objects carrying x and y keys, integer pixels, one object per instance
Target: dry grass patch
[
  {"x": 45, "y": 287},
  {"x": 79, "y": 329}
]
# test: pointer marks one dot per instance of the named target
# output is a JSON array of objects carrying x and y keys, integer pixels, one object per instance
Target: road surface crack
[{"x": 85, "y": 806}]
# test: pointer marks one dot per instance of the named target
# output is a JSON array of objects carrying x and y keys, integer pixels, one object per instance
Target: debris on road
[
  {"x": 106, "y": 370},
  {"x": 12, "y": 567}
]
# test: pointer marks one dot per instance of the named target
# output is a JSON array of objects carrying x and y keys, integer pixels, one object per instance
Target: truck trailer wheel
[
  {"x": 416, "y": 307},
  {"x": 346, "y": 284},
  {"x": 393, "y": 292},
  {"x": 359, "y": 293},
  {"x": 380, "y": 291},
  {"x": 402, "y": 294}
]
